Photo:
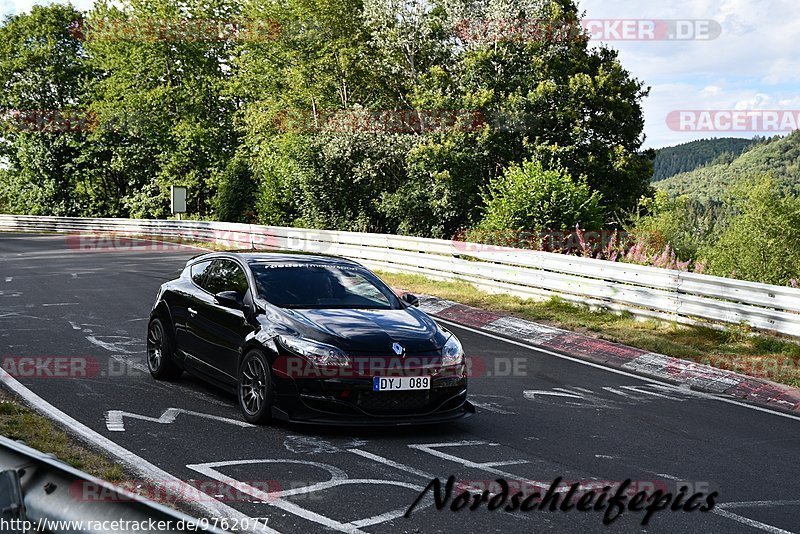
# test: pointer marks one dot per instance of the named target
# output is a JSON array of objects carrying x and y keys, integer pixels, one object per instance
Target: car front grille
[{"x": 388, "y": 402}]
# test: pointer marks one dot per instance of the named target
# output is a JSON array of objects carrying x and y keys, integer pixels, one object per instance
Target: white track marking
[
  {"x": 465, "y": 443},
  {"x": 9, "y": 278},
  {"x": 62, "y": 304},
  {"x": 392, "y": 463},
  {"x": 130, "y": 362},
  {"x": 669, "y": 477},
  {"x": 114, "y": 346},
  {"x": 489, "y": 467},
  {"x": 275, "y": 498},
  {"x": 617, "y": 392},
  {"x": 750, "y": 522},
  {"x": 757, "y": 504},
  {"x": 135, "y": 463},
  {"x": 491, "y": 407},
  {"x": 527, "y": 330},
  {"x": 638, "y": 389},
  {"x": 617, "y": 371},
  {"x": 115, "y": 423},
  {"x": 530, "y": 394}
]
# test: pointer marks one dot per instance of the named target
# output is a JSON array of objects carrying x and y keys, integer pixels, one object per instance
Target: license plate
[{"x": 401, "y": 383}]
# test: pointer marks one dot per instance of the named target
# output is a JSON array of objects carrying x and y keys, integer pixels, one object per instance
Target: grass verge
[
  {"x": 21, "y": 423},
  {"x": 734, "y": 348},
  {"x": 18, "y": 422}
]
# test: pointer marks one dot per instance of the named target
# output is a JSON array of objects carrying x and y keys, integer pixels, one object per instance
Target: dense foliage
[
  {"x": 529, "y": 197},
  {"x": 293, "y": 118},
  {"x": 779, "y": 157},
  {"x": 421, "y": 118},
  {"x": 760, "y": 242}
]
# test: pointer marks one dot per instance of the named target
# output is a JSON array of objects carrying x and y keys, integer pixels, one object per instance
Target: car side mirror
[
  {"x": 230, "y": 299},
  {"x": 410, "y": 300}
]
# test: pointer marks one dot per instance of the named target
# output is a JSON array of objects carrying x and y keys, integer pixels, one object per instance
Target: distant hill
[
  {"x": 779, "y": 156},
  {"x": 689, "y": 156}
]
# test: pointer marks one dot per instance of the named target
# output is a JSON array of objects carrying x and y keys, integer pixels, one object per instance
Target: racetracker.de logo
[
  {"x": 192, "y": 30},
  {"x": 126, "y": 242},
  {"x": 297, "y": 367},
  {"x": 379, "y": 121},
  {"x": 542, "y": 30},
  {"x": 720, "y": 120},
  {"x": 172, "y": 490},
  {"x": 51, "y": 366}
]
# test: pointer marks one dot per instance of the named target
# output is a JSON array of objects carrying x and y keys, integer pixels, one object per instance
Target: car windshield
[{"x": 303, "y": 285}]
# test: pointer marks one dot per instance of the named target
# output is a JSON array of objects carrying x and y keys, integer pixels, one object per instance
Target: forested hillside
[
  {"x": 689, "y": 156},
  {"x": 778, "y": 157}
]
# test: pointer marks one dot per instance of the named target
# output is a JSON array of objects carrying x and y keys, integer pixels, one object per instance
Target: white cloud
[
  {"x": 757, "y": 101},
  {"x": 753, "y": 63},
  {"x": 15, "y": 7}
]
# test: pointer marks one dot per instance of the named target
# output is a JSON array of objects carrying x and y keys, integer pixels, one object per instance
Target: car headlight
[
  {"x": 319, "y": 353},
  {"x": 452, "y": 352}
]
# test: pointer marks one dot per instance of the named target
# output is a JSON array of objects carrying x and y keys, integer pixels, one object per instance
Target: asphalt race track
[{"x": 539, "y": 417}]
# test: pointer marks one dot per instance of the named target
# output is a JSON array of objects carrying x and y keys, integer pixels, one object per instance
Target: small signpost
[{"x": 178, "y": 200}]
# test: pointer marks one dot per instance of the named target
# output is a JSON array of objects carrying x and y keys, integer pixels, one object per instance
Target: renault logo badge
[{"x": 398, "y": 349}]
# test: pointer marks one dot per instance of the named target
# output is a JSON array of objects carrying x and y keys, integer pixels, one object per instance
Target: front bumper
[
  {"x": 351, "y": 401},
  {"x": 306, "y": 416}
]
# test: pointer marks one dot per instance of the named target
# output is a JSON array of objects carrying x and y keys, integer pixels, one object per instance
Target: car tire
[
  {"x": 254, "y": 389},
  {"x": 160, "y": 352}
]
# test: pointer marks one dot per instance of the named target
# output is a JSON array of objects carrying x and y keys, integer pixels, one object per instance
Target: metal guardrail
[
  {"x": 642, "y": 290},
  {"x": 39, "y": 493}
]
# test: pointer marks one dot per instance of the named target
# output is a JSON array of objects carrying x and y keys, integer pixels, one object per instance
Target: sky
[
  {"x": 754, "y": 63},
  {"x": 744, "y": 56}
]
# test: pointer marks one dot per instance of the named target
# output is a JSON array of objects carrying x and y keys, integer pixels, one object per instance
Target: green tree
[
  {"x": 164, "y": 116},
  {"x": 304, "y": 89},
  {"x": 557, "y": 101},
  {"x": 42, "y": 75},
  {"x": 529, "y": 197},
  {"x": 760, "y": 243},
  {"x": 235, "y": 200},
  {"x": 661, "y": 220}
]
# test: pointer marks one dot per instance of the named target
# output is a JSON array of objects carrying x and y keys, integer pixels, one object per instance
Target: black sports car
[{"x": 305, "y": 338}]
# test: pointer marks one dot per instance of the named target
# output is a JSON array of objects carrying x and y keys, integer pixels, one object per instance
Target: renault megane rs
[{"x": 314, "y": 339}]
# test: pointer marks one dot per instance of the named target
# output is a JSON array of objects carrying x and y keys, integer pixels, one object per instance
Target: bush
[
  {"x": 760, "y": 243},
  {"x": 530, "y": 197},
  {"x": 661, "y": 221},
  {"x": 236, "y": 193}
]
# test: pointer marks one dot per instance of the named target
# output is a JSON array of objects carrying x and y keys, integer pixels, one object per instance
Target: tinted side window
[
  {"x": 226, "y": 275},
  {"x": 198, "y": 272}
]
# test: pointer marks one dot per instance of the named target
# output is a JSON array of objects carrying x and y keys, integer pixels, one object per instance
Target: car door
[
  {"x": 219, "y": 331},
  {"x": 185, "y": 305}
]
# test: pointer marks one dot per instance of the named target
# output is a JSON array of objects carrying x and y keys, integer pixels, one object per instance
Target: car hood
[{"x": 373, "y": 331}]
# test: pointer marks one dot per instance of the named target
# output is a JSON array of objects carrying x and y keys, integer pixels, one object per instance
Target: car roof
[{"x": 251, "y": 257}]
